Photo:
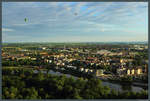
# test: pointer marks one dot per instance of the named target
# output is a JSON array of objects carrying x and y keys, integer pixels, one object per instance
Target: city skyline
[{"x": 75, "y": 22}]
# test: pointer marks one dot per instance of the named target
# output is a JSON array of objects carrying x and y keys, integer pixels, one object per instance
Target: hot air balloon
[
  {"x": 75, "y": 13},
  {"x": 25, "y": 19}
]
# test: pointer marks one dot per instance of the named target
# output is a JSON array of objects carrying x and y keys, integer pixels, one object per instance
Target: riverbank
[
  {"x": 138, "y": 84},
  {"x": 77, "y": 74}
]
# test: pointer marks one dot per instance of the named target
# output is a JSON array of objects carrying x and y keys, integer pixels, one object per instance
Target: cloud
[
  {"x": 59, "y": 19},
  {"x": 7, "y": 30},
  {"x": 26, "y": 24}
]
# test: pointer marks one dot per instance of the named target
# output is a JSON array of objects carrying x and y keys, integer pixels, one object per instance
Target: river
[{"x": 116, "y": 86}]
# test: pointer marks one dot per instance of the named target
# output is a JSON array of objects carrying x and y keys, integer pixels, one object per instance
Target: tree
[
  {"x": 30, "y": 93},
  {"x": 39, "y": 86},
  {"x": 113, "y": 94}
]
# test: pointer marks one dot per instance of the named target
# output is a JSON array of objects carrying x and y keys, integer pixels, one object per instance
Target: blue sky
[{"x": 74, "y": 21}]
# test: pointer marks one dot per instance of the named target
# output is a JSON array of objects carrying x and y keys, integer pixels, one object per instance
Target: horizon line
[{"x": 84, "y": 42}]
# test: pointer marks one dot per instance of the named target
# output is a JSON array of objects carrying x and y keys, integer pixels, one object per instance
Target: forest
[{"x": 25, "y": 84}]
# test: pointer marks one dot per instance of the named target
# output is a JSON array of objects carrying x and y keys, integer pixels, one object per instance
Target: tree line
[{"x": 25, "y": 84}]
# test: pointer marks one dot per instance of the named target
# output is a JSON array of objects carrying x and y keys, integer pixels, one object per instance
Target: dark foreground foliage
[{"x": 24, "y": 84}]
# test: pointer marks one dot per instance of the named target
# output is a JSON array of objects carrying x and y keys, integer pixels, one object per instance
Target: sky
[{"x": 74, "y": 21}]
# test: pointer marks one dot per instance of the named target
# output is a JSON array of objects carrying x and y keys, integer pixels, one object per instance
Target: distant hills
[{"x": 138, "y": 42}]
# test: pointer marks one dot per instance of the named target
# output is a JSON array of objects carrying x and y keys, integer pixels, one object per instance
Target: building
[
  {"x": 90, "y": 71},
  {"x": 81, "y": 69},
  {"x": 33, "y": 58},
  {"x": 121, "y": 71},
  {"x": 43, "y": 53},
  {"x": 128, "y": 72},
  {"x": 146, "y": 69},
  {"x": 86, "y": 70},
  {"x": 138, "y": 71},
  {"x": 134, "y": 71},
  {"x": 99, "y": 72}
]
